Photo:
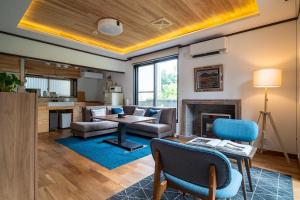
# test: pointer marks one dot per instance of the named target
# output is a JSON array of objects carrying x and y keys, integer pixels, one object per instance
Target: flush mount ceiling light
[{"x": 110, "y": 26}]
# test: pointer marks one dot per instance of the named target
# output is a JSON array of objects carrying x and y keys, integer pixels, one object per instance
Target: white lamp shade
[{"x": 267, "y": 78}]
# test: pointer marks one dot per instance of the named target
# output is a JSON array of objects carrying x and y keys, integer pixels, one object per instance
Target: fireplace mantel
[{"x": 188, "y": 104}]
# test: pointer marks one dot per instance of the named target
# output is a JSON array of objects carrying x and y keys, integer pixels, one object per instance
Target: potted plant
[{"x": 9, "y": 82}]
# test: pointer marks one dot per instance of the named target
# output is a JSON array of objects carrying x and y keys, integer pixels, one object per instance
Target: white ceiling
[{"x": 11, "y": 11}]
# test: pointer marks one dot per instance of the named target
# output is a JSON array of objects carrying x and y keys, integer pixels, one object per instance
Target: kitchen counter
[{"x": 45, "y": 107}]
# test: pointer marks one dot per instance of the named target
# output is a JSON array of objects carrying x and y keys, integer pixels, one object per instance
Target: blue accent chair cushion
[
  {"x": 227, "y": 192},
  {"x": 117, "y": 111},
  {"x": 233, "y": 129}
]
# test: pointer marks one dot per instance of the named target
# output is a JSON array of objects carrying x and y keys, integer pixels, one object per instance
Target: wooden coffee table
[{"x": 121, "y": 141}]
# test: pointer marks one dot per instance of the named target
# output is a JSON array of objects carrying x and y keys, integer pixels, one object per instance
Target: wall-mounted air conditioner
[
  {"x": 210, "y": 47},
  {"x": 93, "y": 75}
]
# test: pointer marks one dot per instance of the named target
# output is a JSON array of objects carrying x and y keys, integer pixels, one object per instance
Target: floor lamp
[{"x": 268, "y": 78}]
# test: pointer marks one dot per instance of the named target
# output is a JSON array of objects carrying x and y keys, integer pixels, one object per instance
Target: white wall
[
  {"x": 272, "y": 47},
  {"x": 125, "y": 80},
  {"x": 93, "y": 88},
  {"x": 20, "y": 46}
]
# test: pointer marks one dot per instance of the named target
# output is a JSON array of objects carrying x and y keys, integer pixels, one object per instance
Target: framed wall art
[{"x": 208, "y": 78}]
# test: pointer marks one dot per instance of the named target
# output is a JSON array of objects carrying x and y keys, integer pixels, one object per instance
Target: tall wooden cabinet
[{"x": 18, "y": 146}]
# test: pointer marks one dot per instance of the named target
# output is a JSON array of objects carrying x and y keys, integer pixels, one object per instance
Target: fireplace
[
  {"x": 198, "y": 115},
  {"x": 207, "y": 120}
]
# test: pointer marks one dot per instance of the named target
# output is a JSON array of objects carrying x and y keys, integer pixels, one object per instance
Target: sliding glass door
[
  {"x": 145, "y": 94},
  {"x": 166, "y": 83},
  {"x": 156, "y": 83}
]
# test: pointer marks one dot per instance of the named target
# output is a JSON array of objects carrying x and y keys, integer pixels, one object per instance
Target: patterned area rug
[{"x": 267, "y": 185}]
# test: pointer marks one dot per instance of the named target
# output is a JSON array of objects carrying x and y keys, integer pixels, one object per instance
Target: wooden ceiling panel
[{"x": 77, "y": 20}]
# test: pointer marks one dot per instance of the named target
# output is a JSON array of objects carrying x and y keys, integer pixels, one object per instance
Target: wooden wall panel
[
  {"x": 43, "y": 118},
  {"x": 77, "y": 112},
  {"x": 70, "y": 72},
  {"x": 36, "y": 67},
  {"x": 9, "y": 63},
  {"x": 17, "y": 146}
]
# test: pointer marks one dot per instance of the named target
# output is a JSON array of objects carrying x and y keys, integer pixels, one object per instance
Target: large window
[
  {"x": 145, "y": 85},
  {"x": 156, "y": 83},
  {"x": 62, "y": 87}
]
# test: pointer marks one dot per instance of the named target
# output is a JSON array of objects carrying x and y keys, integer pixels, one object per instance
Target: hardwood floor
[{"x": 64, "y": 174}]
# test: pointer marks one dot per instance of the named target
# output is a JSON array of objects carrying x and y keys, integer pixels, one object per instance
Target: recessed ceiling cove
[{"x": 78, "y": 20}]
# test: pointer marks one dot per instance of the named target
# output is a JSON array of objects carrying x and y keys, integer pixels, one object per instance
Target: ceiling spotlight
[{"x": 110, "y": 26}]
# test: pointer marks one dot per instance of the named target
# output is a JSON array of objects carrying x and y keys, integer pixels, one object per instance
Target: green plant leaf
[{"x": 9, "y": 82}]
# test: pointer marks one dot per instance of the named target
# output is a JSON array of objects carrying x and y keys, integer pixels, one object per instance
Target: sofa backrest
[
  {"x": 129, "y": 110},
  {"x": 168, "y": 115}
]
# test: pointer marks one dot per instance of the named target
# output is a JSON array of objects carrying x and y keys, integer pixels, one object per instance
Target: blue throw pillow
[
  {"x": 156, "y": 114},
  {"x": 152, "y": 112},
  {"x": 117, "y": 111}
]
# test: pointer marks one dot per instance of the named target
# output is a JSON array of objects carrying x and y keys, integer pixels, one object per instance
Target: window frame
[
  {"x": 136, "y": 83},
  {"x": 154, "y": 63},
  {"x": 73, "y": 88}
]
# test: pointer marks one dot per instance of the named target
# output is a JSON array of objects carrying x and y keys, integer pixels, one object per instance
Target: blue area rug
[
  {"x": 105, "y": 154},
  {"x": 267, "y": 185}
]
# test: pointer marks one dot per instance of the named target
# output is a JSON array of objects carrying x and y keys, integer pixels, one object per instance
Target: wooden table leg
[
  {"x": 240, "y": 166},
  {"x": 247, "y": 165}
]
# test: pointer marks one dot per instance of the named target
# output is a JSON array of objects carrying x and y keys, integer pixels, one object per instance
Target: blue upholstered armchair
[
  {"x": 202, "y": 172},
  {"x": 237, "y": 130}
]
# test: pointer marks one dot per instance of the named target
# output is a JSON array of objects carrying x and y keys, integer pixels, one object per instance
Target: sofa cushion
[
  {"x": 139, "y": 112},
  {"x": 87, "y": 114},
  {"x": 150, "y": 127},
  {"x": 97, "y": 113},
  {"x": 93, "y": 126}
]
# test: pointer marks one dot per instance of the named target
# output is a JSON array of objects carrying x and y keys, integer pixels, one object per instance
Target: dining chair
[
  {"x": 237, "y": 130},
  {"x": 202, "y": 172}
]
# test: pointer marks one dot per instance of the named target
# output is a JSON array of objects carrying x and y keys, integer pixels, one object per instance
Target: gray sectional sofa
[
  {"x": 88, "y": 128},
  {"x": 165, "y": 127}
]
